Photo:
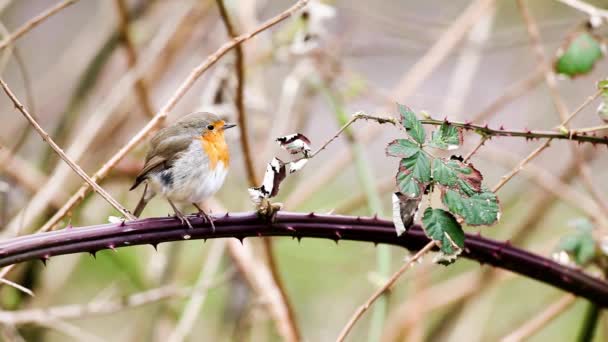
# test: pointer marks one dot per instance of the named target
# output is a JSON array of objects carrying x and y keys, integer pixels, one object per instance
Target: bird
[{"x": 186, "y": 162}]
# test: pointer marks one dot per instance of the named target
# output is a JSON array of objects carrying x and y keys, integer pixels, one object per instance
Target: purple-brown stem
[{"x": 153, "y": 231}]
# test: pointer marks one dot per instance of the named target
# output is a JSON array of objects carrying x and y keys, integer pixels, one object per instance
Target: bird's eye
[{"x": 210, "y": 127}]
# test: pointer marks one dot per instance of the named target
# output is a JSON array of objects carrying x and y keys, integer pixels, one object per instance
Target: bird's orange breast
[{"x": 216, "y": 148}]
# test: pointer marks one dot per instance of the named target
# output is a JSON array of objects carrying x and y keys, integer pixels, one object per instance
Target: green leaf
[
  {"x": 579, "y": 55},
  {"x": 402, "y": 148},
  {"x": 419, "y": 165},
  {"x": 580, "y": 245},
  {"x": 412, "y": 124},
  {"x": 478, "y": 209},
  {"x": 407, "y": 184},
  {"x": 456, "y": 174},
  {"x": 446, "y": 137},
  {"x": 442, "y": 227}
]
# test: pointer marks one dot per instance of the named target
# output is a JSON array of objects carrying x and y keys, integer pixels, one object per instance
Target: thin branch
[
  {"x": 504, "y": 179},
  {"x": 162, "y": 114},
  {"x": 298, "y": 225},
  {"x": 528, "y": 134},
  {"x": 106, "y": 307},
  {"x": 35, "y": 21},
  {"x": 249, "y": 164},
  {"x": 539, "y": 51},
  {"x": 140, "y": 87},
  {"x": 361, "y": 310},
  {"x": 64, "y": 156},
  {"x": 193, "y": 307},
  {"x": 475, "y": 149},
  {"x": 540, "y": 320},
  {"x": 240, "y": 96}
]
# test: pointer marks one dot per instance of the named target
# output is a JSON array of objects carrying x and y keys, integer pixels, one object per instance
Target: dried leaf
[
  {"x": 405, "y": 209},
  {"x": 295, "y": 143}
]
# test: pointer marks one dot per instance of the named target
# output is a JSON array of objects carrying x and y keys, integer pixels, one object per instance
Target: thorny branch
[{"x": 153, "y": 231}]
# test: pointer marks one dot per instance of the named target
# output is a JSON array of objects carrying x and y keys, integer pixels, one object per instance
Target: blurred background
[{"x": 308, "y": 74}]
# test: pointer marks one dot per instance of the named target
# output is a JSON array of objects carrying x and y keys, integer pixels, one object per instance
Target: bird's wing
[{"x": 162, "y": 154}]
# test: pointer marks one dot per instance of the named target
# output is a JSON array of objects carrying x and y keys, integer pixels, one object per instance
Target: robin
[{"x": 187, "y": 162}]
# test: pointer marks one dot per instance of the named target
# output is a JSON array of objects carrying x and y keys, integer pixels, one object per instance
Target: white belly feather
[{"x": 192, "y": 179}]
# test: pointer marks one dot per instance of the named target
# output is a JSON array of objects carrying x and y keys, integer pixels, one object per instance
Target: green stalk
[
  {"x": 367, "y": 180},
  {"x": 592, "y": 315}
]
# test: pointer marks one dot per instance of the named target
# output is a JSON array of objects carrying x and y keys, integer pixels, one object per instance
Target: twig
[
  {"x": 504, "y": 179},
  {"x": 140, "y": 87},
  {"x": 581, "y": 107},
  {"x": 35, "y": 21},
  {"x": 586, "y": 8},
  {"x": 249, "y": 164},
  {"x": 193, "y": 307},
  {"x": 162, "y": 114},
  {"x": 589, "y": 129},
  {"x": 62, "y": 154},
  {"x": 528, "y": 134},
  {"x": 105, "y": 307},
  {"x": 540, "y": 320},
  {"x": 475, "y": 149},
  {"x": 539, "y": 51},
  {"x": 240, "y": 96},
  {"x": 359, "y": 312},
  {"x": 549, "y": 183}
]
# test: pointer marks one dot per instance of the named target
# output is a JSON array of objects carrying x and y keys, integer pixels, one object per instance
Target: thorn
[
  {"x": 122, "y": 223},
  {"x": 485, "y": 126},
  {"x": 241, "y": 238},
  {"x": 375, "y": 243},
  {"x": 375, "y": 217},
  {"x": 112, "y": 247},
  {"x": 45, "y": 258},
  {"x": 155, "y": 246},
  {"x": 227, "y": 215},
  {"x": 311, "y": 214},
  {"x": 502, "y": 128},
  {"x": 204, "y": 240},
  {"x": 93, "y": 254}
]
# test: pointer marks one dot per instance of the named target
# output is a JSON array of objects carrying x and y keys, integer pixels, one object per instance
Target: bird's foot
[
  {"x": 183, "y": 219},
  {"x": 205, "y": 216},
  {"x": 180, "y": 215}
]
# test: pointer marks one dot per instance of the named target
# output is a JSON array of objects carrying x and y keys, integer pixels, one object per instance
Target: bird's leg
[
  {"x": 202, "y": 213},
  {"x": 179, "y": 214}
]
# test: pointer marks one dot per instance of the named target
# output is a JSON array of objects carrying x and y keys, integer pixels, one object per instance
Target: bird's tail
[{"x": 145, "y": 198}]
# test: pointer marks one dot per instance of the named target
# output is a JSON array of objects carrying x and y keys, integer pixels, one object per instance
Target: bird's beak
[{"x": 226, "y": 126}]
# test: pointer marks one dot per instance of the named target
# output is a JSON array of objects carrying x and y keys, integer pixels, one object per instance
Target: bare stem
[
  {"x": 540, "y": 320},
  {"x": 35, "y": 21},
  {"x": 382, "y": 290},
  {"x": 140, "y": 87},
  {"x": 240, "y": 96}
]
